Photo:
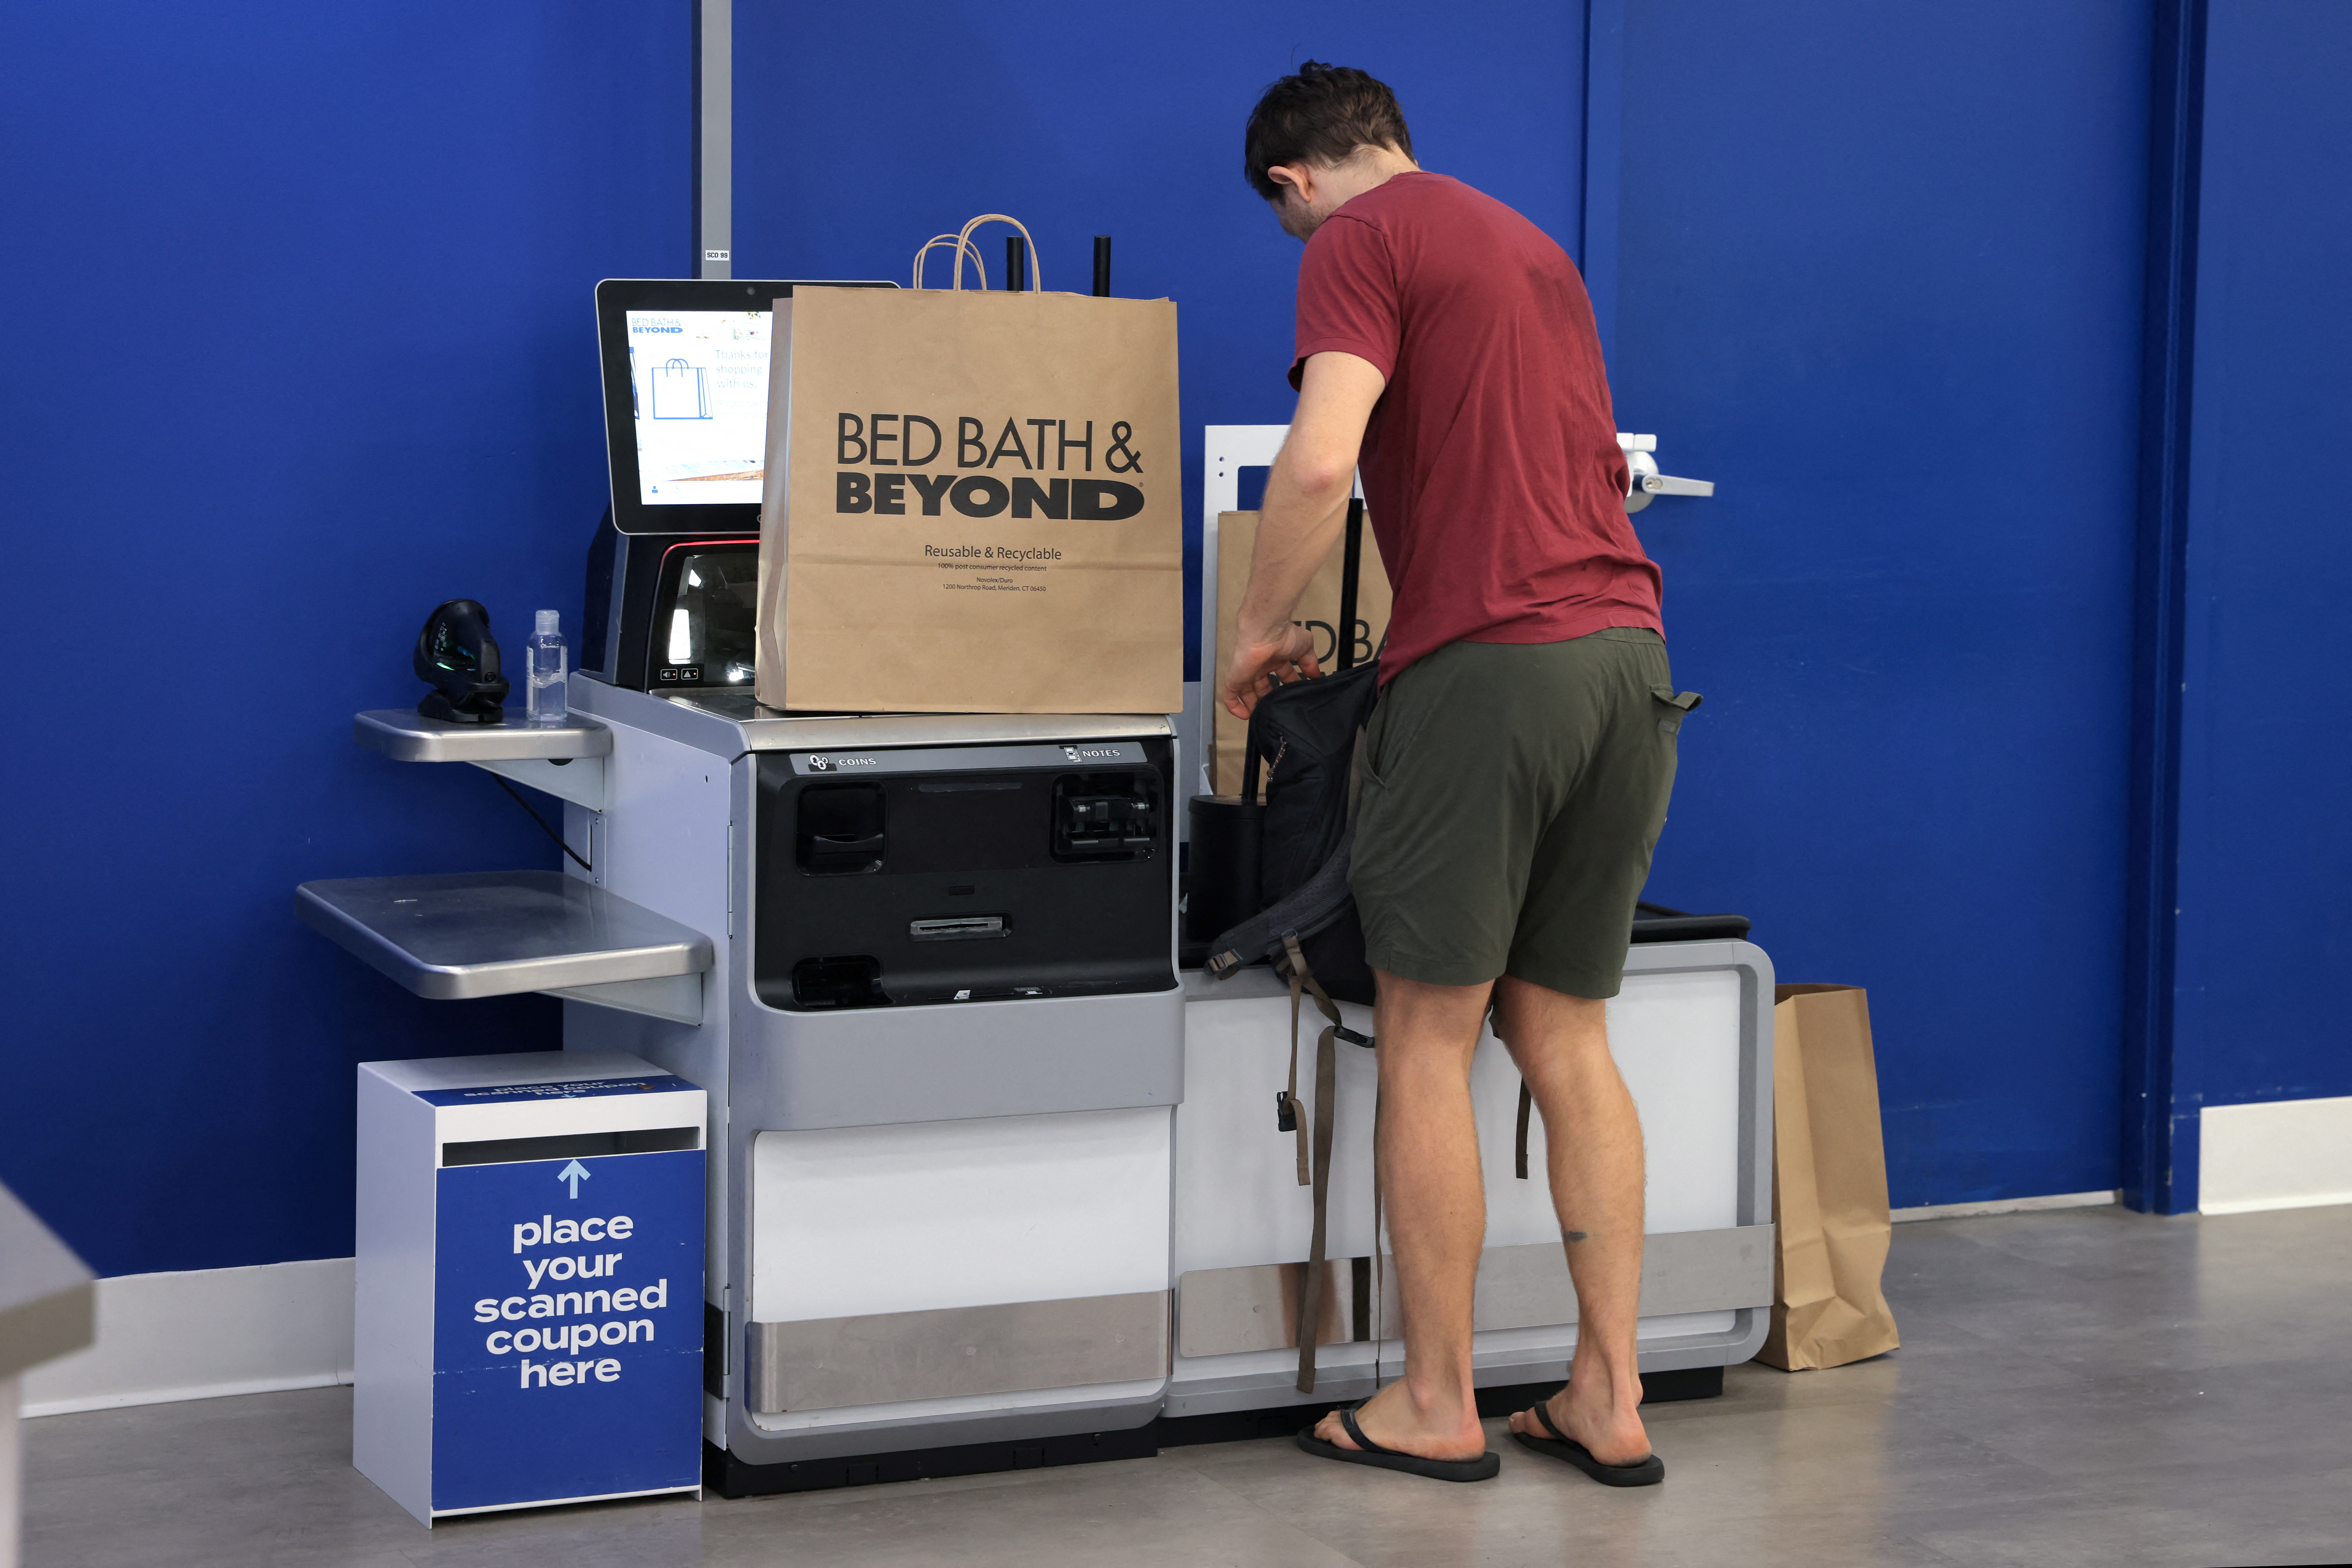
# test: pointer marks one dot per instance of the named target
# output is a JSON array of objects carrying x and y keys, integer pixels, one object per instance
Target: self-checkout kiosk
[{"x": 994, "y": 1180}]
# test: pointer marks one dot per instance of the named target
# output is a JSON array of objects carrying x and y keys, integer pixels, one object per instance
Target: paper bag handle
[
  {"x": 964, "y": 245},
  {"x": 1036, "y": 273}
]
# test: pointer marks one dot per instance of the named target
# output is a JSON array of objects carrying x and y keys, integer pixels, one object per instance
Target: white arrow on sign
[{"x": 576, "y": 1172}]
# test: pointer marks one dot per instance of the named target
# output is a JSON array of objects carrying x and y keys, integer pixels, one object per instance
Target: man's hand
[
  {"x": 1305, "y": 509},
  {"x": 1260, "y": 661}
]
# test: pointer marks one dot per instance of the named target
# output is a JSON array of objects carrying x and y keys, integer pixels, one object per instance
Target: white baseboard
[
  {"x": 2009, "y": 1205},
  {"x": 2276, "y": 1155},
  {"x": 206, "y": 1332}
]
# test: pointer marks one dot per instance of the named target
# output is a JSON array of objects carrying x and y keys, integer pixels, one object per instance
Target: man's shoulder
[
  {"x": 1423, "y": 216},
  {"x": 1420, "y": 195}
]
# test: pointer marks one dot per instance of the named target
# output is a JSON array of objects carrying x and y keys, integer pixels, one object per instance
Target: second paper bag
[
  {"x": 973, "y": 505},
  {"x": 1829, "y": 1183}
]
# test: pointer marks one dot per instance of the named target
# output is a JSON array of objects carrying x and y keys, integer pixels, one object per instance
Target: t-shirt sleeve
[{"x": 1347, "y": 297}]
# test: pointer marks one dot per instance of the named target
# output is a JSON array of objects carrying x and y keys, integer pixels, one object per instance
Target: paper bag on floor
[{"x": 1829, "y": 1183}]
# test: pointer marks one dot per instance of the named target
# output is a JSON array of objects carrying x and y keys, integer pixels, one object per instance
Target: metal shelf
[
  {"x": 566, "y": 760},
  {"x": 407, "y": 736},
  {"x": 494, "y": 934}
]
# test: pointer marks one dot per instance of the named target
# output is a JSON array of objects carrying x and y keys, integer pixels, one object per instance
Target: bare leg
[
  {"x": 1561, "y": 1045},
  {"x": 1435, "y": 1192}
]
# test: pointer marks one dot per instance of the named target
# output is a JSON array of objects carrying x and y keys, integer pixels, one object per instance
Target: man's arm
[{"x": 1306, "y": 506}]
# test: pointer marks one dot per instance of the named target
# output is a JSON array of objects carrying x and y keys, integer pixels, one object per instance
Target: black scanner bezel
[
  {"x": 1099, "y": 922},
  {"x": 615, "y": 296}
]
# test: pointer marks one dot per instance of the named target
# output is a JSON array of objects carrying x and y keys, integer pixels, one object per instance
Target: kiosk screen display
[{"x": 699, "y": 380}]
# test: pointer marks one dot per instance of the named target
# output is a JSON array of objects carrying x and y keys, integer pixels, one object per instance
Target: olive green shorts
[{"x": 1510, "y": 796}]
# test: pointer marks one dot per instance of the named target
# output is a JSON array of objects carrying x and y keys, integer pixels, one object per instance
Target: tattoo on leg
[{"x": 1574, "y": 1234}]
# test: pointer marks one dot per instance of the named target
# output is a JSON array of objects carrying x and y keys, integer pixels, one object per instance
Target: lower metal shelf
[{"x": 494, "y": 934}]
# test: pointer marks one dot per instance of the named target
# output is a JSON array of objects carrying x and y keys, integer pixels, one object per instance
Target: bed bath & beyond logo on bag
[{"x": 882, "y": 441}]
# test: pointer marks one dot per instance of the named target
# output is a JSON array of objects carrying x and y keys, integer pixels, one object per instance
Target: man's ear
[{"x": 1290, "y": 178}]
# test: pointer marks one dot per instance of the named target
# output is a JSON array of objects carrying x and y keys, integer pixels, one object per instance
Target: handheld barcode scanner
[{"x": 456, "y": 656}]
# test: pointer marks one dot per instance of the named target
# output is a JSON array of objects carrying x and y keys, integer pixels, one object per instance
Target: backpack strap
[
  {"x": 1352, "y": 573},
  {"x": 1526, "y": 1103},
  {"x": 1326, "y": 1095},
  {"x": 1314, "y": 1168},
  {"x": 1318, "y": 904},
  {"x": 1379, "y": 1328},
  {"x": 1286, "y": 1104}
]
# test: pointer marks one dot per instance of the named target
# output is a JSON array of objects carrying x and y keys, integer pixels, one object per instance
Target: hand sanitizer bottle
[{"x": 548, "y": 666}]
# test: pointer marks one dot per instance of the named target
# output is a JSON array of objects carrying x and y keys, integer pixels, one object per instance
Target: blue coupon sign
[{"x": 567, "y": 1329}]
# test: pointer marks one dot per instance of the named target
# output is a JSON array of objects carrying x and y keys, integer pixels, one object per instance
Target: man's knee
[
  {"x": 1417, "y": 1019},
  {"x": 1535, "y": 1022}
]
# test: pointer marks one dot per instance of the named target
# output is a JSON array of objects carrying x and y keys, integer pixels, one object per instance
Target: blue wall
[
  {"x": 1880, "y": 277},
  {"x": 302, "y": 345},
  {"x": 1081, "y": 120},
  {"x": 315, "y": 293},
  {"x": 2265, "y": 855}
]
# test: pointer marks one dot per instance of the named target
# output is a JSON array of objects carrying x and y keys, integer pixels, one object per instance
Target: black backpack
[
  {"x": 1303, "y": 735},
  {"x": 1302, "y": 740}
]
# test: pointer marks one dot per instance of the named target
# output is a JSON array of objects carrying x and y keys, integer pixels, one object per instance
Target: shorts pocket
[
  {"x": 1389, "y": 732},
  {"x": 1368, "y": 745},
  {"x": 1674, "y": 706}
]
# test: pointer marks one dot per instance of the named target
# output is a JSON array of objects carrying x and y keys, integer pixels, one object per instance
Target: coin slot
[{"x": 840, "y": 830}]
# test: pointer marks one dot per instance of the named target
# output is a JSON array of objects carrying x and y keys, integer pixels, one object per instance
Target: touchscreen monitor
[{"x": 686, "y": 399}]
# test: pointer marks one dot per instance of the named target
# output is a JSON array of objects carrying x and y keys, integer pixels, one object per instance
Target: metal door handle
[{"x": 1642, "y": 480}]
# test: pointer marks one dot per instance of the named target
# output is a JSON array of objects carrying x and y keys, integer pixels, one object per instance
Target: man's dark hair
[{"x": 1321, "y": 115}]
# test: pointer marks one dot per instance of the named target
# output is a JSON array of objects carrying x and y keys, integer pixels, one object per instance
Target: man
[{"x": 1516, "y": 770}]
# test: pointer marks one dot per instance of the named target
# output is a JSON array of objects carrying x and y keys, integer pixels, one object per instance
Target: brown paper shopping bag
[
  {"x": 973, "y": 503},
  {"x": 1829, "y": 1183},
  {"x": 1318, "y": 611}
]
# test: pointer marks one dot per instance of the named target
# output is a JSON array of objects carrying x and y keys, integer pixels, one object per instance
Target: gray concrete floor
[{"x": 2083, "y": 1387}]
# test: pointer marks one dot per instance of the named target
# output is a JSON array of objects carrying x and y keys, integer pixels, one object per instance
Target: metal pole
[{"x": 714, "y": 138}]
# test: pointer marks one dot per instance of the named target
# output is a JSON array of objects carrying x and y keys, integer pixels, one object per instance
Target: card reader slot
[{"x": 959, "y": 927}]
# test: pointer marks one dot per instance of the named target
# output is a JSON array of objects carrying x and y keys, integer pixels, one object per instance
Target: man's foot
[
  {"x": 1394, "y": 1420},
  {"x": 1610, "y": 1430}
]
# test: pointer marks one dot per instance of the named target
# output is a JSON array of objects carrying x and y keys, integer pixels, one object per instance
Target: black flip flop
[
  {"x": 1368, "y": 1452},
  {"x": 1559, "y": 1445}
]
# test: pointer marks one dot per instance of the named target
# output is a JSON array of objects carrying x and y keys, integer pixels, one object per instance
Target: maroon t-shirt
[{"x": 1491, "y": 468}]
